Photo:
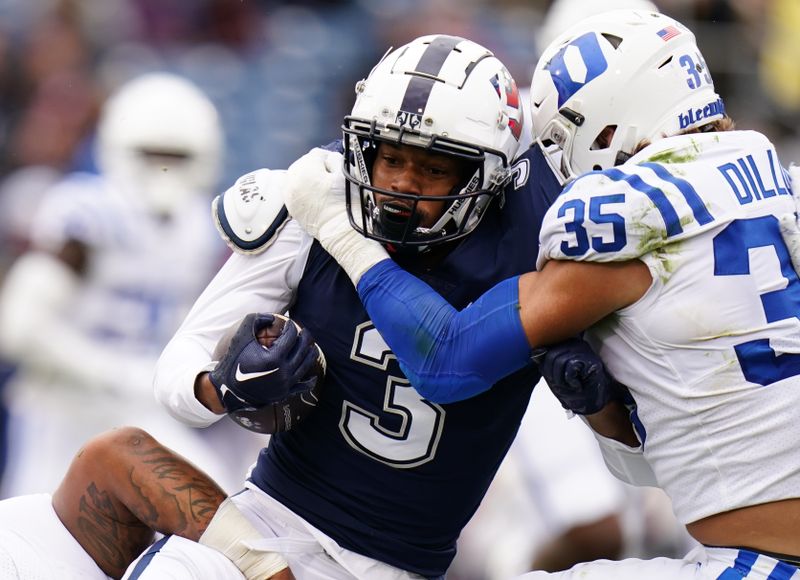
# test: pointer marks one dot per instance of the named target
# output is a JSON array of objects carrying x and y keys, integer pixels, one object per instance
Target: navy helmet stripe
[
  {"x": 438, "y": 50},
  {"x": 430, "y": 63},
  {"x": 417, "y": 93}
]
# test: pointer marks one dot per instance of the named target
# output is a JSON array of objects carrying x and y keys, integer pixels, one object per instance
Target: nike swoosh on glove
[
  {"x": 250, "y": 375},
  {"x": 315, "y": 197}
]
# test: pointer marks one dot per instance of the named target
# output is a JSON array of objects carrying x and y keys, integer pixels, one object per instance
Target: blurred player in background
[{"x": 115, "y": 262}]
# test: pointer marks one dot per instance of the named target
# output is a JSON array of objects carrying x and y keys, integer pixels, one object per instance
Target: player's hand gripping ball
[{"x": 270, "y": 373}]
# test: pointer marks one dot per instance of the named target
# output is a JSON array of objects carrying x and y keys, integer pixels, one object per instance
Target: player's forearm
[
  {"x": 124, "y": 484},
  {"x": 245, "y": 284},
  {"x": 205, "y": 392},
  {"x": 613, "y": 422},
  {"x": 446, "y": 354}
]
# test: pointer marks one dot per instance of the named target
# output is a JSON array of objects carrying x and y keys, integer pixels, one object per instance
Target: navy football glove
[
  {"x": 250, "y": 375},
  {"x": 576, "y": 376}
]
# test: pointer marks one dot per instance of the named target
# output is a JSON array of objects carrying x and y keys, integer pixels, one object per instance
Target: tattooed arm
[{"x": 123, "y": 486}]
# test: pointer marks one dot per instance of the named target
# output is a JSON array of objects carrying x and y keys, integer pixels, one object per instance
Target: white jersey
[
  {"x": 144, "y": 273},
  {"x": 87, "y": 347},
  {"x": 711, "y": 351},
  {"x": 35, "y": 545}
]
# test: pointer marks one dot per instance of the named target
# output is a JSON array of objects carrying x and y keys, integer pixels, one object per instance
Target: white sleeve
[
  {"x": 36, "y": 331},
  {"x": 628, "y": 464},
  {"x": 246, "y": 283}
]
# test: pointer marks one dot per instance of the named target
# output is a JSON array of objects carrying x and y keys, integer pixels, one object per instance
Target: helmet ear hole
[
  {"x": 613, "y": 40},
  {"x": 604, "y": 138}
]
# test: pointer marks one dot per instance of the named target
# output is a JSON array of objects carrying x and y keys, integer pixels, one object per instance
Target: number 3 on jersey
[
  {"x": 406, "y": 432},
  {"x": 760, "y": 364}
]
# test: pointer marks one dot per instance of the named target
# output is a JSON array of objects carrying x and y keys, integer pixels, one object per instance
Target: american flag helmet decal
[{"x": 668, "y": 33}]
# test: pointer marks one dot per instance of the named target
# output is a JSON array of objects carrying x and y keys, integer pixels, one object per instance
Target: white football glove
[{"x": 315, "y": 197}]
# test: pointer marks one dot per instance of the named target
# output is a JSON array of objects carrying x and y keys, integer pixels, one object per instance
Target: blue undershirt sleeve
[{"x": 447, "y": 355}]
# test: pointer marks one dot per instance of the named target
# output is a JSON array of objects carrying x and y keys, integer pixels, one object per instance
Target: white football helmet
[
  {"x": 564, "y": 13},
  {"x": 613, "y": 80},
  {"x": 447, "y": 95},
  {"x": 160, "y": 141}
]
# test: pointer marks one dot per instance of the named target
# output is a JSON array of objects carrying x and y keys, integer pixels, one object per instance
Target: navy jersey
[{"x": 378, "y": 468}]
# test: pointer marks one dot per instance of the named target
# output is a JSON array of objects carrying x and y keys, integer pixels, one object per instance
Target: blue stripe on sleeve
[
  {"x": 147, "y": 558},
  {"x": 782, "y": 571},
  {"x": 668, "y": 213},
  {"x": 701, "y": 213}
]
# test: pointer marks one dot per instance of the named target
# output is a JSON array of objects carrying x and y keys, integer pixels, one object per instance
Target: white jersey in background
[
  {"x": 87, "y": 347},
  {"x": 714, "y": 395}
]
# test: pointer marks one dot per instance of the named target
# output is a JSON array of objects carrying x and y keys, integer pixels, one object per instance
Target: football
[
  {"x": 266, "y": 336},
  {"x": 285, "y": 414}
]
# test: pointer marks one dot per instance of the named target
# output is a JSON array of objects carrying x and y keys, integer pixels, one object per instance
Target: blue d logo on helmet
[{"x": 575, "y": 65}]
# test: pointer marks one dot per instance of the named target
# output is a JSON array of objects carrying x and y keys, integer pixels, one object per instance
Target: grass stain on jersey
[
  {"x": 650, "y": 237},
  {"x": 668, "y": 260},
  {"x": 685, "y": 154}
]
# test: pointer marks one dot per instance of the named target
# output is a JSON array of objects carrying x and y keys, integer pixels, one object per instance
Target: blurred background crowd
[{"x": 281, "y": 74}]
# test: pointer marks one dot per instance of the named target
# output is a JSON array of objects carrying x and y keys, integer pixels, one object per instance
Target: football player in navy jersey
[
  {"x": 378, "y": 481},
  {"x": 676, "y": 247}
]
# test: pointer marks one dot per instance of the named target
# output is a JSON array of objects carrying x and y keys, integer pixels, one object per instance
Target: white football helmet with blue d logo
[{"x": 613, "y": 80}]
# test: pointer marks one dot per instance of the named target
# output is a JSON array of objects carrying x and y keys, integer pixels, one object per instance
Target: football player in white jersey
[
  {"x": 567, "y": 506},
  {"x": 115, "y": 263},
  {"x": 120, "y": 488},
  {"x": 672, "y": 253}
]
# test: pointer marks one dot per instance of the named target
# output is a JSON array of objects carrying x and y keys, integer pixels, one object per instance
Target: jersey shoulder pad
[
  {"x": 250, "y": 214},
  {"x": 621, "y": 214}
]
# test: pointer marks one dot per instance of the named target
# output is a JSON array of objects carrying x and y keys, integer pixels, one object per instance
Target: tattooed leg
[{"x": 122, "y": 486}]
